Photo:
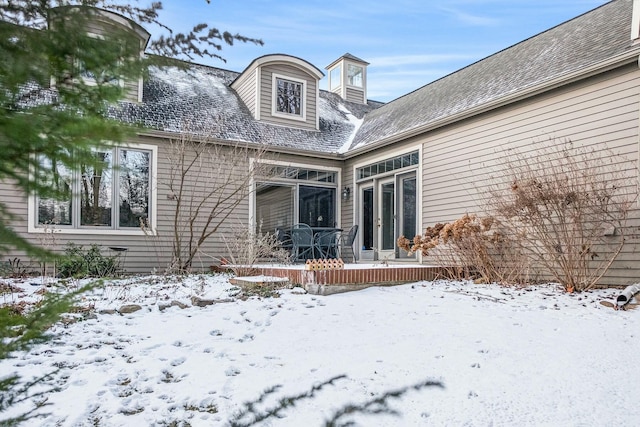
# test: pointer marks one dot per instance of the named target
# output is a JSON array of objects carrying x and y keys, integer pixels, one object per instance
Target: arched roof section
[
  {"x": 287, "y": 59},
  {"x": 108, "y": 16}
]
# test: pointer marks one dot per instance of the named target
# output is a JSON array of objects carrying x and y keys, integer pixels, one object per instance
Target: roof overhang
[
  {"x": 152, "y": 133},
  {"x": 286, "y": 59},
  {"x": 629, "y": 57},
  {"x": 104, "y": 16}
]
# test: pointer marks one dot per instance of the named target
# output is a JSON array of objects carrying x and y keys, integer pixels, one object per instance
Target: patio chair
[
  {"x": 304, "y": 247},
  {"x": 327, "y": 244},
  {"x": 283, "y": 236},
  {"x": 346, "y": 242}
]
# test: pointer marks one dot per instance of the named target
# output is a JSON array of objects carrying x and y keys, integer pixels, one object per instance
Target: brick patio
[{"x": 352, "y": 277}]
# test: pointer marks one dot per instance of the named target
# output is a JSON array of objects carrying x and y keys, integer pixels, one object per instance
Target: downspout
[{"x": 627, "y": 295}]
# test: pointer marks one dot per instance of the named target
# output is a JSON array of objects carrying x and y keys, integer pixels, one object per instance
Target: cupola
[{"x": 348, "y": 78}]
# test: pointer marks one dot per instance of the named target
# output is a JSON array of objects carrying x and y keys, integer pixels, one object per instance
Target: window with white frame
[
  {"x": 336, "y": 77},
  {"x": 113, "y": 192},
  {"x": 289, "y": 194},
  {"x": 355, "y": 75},
  {"x": 91, "y": 77},
  {"x": 288, "y": 97}
]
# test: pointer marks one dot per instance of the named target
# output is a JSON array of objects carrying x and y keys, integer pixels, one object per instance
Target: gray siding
[
  {"x": 355, "y": 95},
  {"x": 458, "y": 158},
  {"x": 266, "y": 96},
  {"x": 131, "y": 88},
  {"x": 145, "y": 253},
  {"x": 245, "y": 86}
]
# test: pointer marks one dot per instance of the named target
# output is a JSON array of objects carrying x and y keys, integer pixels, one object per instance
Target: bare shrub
[
  {"x": 471, "y": 248},
  {"x": 246, "y": 248},
  {"x": 207, "y": 182},
  {"x": 568, "y": 206}
]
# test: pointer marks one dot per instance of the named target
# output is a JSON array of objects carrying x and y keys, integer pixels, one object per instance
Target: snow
[
  {"x": 356, "y": 125},
  {"x": 505, "y": 355}
]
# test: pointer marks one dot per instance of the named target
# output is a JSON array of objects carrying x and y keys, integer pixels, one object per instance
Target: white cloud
[
  {"x": 470, "y": 19},
  {"x": 418, "y": 59}
]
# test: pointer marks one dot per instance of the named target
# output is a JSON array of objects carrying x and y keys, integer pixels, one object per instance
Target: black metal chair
[
  {"x": 304, "y": 246},
  {"x": 346, "y": 242},
  {"x": 327, "y": 244}
]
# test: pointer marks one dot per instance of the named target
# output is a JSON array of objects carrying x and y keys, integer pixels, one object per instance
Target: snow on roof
[
  {"x": 198, "y": 100},
  {"x": 589, "y": 39}
]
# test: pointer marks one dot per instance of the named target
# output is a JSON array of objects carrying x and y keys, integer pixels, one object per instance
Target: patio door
[
  {"x": 386, "y": 221},
  {"x": 407, "y": 209},
  {"x": 388, "y": 209}
]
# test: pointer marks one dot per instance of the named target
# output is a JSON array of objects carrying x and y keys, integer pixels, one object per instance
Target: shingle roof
[
  {"x": 574, "y": 45},
  {"x": 198, "y": 100}
]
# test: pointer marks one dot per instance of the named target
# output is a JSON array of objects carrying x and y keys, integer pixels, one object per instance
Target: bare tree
[
  {"x": 207, "y": 181},
  {"x": 568, "y": 205}
]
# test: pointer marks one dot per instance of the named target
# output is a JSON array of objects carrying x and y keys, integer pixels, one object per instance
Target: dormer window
[
  {"x": 288, "y": 97},
  {"x": 282, "y": 90},
  {"x": 355, "y": 75},
  {"x": 89, "y": 77}
]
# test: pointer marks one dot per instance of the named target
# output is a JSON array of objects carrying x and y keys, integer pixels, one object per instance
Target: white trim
[
  {"x": 32, "y": 227},
  {"x": 389, "y": 154},
  {"x": 287, "y": 59},
  {"x": 140, "y": 89},
  {"x": 635, "y": 21},
  {"x": 258, "y": 94},
  {"x": 332, "y": 85},
  {"x": 317, "y": 106},
  {"x": 386, "y": 155},
  {"x": 274, "y": 96}
]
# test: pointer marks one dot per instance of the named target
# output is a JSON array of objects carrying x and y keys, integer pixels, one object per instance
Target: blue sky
[{"x": 408, "y": 43}]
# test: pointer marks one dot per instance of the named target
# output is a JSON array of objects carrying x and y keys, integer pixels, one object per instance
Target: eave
[{"x": 562, "y": 80}]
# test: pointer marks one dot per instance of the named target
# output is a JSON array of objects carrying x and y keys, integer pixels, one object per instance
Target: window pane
[
  {"x": 354, "y": 75},
  {"x": 336, "y": 79},
  {"x": 274, "y": 206},
  {"x": 367, "y": 219},
  {"x": 409, "y": 216},
  {"x": 57, "y": 211},
  {"x": 414, "y": 158},
  {"x": 289, "y": 97},
  {"x": 317, "y": 206},
  {"x": 96, "y": 191},
  {"x": 388, "y": 216},
  {"x": 134, "y": 188}
]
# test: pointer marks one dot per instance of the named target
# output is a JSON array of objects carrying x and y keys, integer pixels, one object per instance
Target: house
[{"x": 337, "y": 159}]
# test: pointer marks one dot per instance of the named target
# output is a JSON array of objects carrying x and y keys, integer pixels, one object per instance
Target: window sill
[{"x": 90, "y": 231}]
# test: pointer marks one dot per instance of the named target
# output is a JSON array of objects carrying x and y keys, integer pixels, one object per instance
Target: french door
[
  {"x": 386, "y": 221},
  {"x": 388, "y": 209}
]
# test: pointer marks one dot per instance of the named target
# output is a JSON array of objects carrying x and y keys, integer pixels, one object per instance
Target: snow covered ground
[{"x": 505, "y": 356}]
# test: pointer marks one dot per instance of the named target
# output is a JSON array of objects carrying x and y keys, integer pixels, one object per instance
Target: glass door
[
  {"x": 407, "y": 209},
  {"x": 386, "y": 219},
  {"x": 367, "y": 221}
]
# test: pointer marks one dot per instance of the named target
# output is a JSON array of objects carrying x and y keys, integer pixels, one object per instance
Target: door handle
[{"x": 379, "y": 223}]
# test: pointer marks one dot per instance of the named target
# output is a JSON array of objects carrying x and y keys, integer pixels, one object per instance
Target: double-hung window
[{"x": 114, "y": 192}]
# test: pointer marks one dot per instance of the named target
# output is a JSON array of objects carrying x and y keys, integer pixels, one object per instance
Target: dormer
[
  {"x": 281, "y": 89},
  {"x": 348, "y": 78},
  {"x": 101, "y": 24}
]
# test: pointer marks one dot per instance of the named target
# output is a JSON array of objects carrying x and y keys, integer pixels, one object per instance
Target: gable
[{"x": 282, "y": 90}]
